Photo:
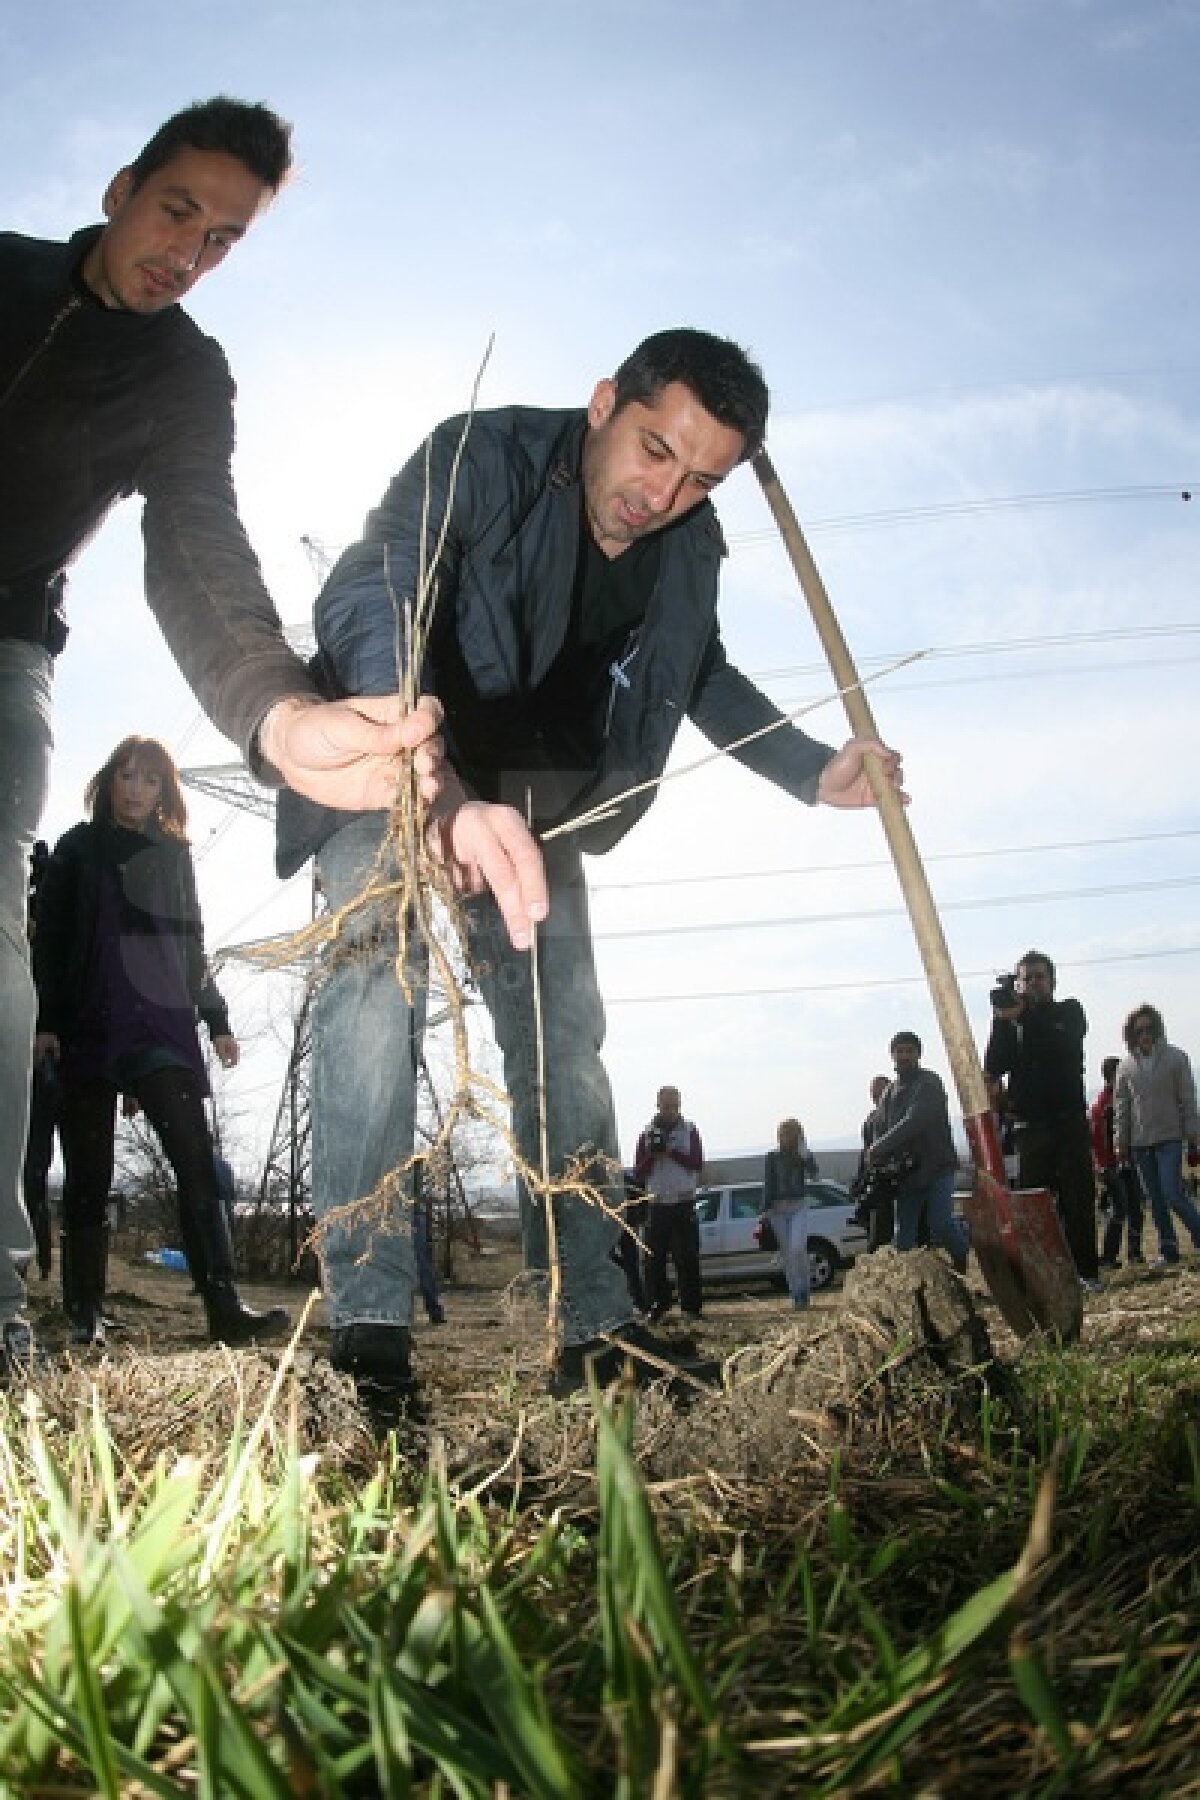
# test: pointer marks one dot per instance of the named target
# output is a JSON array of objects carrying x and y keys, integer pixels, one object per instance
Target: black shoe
[
  {"x": 379, "y": 1357},
  {"x": 231, "y": 1321},
  {"x": 383, "y": 1352},
  {"x": 650, "y": 1357},
  {"x": 87, "y": 1329}
]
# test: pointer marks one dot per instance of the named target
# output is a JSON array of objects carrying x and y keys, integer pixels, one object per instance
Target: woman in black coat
[{"x": 121, "y": 976}]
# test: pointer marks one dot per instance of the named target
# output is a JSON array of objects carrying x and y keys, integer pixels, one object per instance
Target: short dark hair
[
  {"x": 719, "y": 372},
  {"x": 1144, "y": 1011},
  {"x": 1109, "y": 1067},
  {"x": 248, "y": 130},
  {"x": 906, "y": 1037},
  {"x": 1039, "y": 956}
]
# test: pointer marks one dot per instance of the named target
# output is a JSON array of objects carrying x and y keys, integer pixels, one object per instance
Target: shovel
[{"x": 1017, "y": 1236}]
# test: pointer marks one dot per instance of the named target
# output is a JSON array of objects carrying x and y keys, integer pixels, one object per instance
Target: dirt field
[{"x": 495, "y": 1327}]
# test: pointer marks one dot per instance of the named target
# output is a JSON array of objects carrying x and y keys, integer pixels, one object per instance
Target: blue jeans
[
  {"x": 25, "y": 744},
  {"x": 937, "y": 1197},
  {"x": 1160, "y": 1171},
  {"x": 791, "y": 1228},
  {"x": 366, "y": 1048}
]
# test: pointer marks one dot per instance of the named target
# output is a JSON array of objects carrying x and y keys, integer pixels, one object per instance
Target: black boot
[
  {"x": 379, "y": 1357},
  {"x": 206, "y": 1240},
  {"x": 648, "y": 1357},
  {"x": 231, "y": 1321},
  {"x": 66, "y": 1275},
  {"x": 84, "y": 1272},
  {"x": 1110, "y": 1254}
]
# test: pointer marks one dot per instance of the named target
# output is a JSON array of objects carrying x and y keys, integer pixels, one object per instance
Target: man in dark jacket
[
  {"x": 913, "y": 1121},
  {"x": 667, "y": 1163},
  {"x": 1037, "y": 1042},
  {"x": 568, "y": 626},
  {"x": 107, "y": 389}
]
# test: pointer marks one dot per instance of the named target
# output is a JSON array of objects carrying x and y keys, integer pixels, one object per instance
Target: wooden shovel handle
[{"x": 943, "y": 985}]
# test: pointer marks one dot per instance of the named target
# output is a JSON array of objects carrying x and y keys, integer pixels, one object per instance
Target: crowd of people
[
  {"x": 1106, "y": 1164},
  {"x": 575, "y": 554}
]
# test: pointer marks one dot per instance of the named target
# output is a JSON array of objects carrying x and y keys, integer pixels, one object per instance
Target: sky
[{"x": 959, "y": 236}]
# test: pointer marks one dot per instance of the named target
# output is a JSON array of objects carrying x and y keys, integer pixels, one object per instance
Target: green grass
[{"x": 1011, "y": 1611}]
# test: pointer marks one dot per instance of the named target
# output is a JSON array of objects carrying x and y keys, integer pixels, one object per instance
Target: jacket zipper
[
  {"x": 39, "y": 349},
  {"x": 618, "y": 677}
]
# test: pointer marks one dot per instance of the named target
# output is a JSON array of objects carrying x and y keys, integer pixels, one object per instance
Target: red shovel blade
[{"x": 1018, "y": 1238}]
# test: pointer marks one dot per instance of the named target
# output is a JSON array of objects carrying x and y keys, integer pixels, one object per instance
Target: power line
[
  {"x": 952, "y": 509},
  {"x": 981, "y": 903},
  {"x": 1059, "y": 640},
  {"x": 883, "y": 862},
  {"x": 883, "y": 981},
  {"x": 994, "y": 677}
]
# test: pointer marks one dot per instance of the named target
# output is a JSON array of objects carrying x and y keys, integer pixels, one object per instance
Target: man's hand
[
  {"x": 844, "y": 780},
  {"x": 226, "y": 1049},
  {"x": 346, "y": 753},
  {"x": 46, "y": 1047},
  {"x": 488, "y": 846}
]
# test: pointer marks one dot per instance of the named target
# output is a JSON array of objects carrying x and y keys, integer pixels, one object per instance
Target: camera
[
  {"x": 1004, "y": 993},
  {"x": 872, "y": 1187},
  {"x": 656, "y": 1135}
]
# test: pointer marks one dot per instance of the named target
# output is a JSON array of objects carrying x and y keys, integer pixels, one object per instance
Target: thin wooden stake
[{"x": 554, "y": 1312}]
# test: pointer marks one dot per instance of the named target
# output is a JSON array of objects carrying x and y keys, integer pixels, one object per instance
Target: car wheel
[{"x": 822, "y": 1263}]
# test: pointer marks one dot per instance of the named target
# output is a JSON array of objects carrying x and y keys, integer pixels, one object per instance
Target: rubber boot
[
  {"x": 230, "y": 1320},
  {"x": 84, "y": 1266},
  {"x": 38, "y": 1208},
  {"x": 66, "y": 1275}
]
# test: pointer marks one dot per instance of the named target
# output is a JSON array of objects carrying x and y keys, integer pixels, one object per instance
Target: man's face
[
  {"x": 906, "y": 1058},
  {"x": 650, "y": 463},
  {"x": 1035, "y": 982},
  {"x": 164, "y": 235},
  {"x": 668, "y": 1105}
]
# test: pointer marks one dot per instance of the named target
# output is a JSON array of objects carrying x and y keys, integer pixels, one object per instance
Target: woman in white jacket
[{"x": 1155, "y": 1113}]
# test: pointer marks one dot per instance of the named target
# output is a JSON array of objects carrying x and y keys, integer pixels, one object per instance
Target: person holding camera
[
  {"x": 785, "y": 1177},
  {"x": 1037, "y": 1042},
  {"x": 914, "y": 1138},
  {"x": 668, "y": 1163}
]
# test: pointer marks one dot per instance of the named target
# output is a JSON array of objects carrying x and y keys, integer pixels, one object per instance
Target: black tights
[{"x": 172, "y": 1102}]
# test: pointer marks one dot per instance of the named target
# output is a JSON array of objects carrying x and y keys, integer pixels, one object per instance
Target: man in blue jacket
[
  {"x": 107, "y": 388},
  {"x": 574, "y": 570}
]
